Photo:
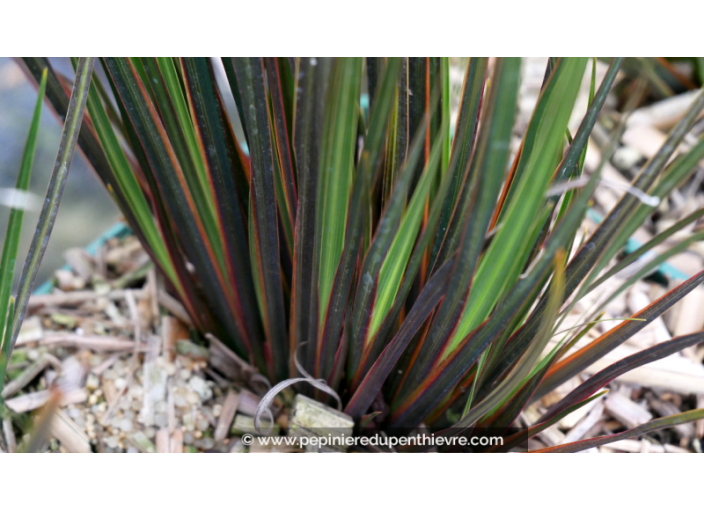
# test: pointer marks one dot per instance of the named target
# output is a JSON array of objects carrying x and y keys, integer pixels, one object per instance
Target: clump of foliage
[{"x": 419, "y": 273}]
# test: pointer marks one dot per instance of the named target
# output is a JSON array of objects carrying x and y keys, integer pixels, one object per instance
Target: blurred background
[{"x": 86, "y": 209}]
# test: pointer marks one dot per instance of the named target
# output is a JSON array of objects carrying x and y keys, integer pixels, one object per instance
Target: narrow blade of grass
[
  {"x": 604, "y": 377},
  {"x": 652, "y": 426},
  {"x": 67, "y": 147},
  {"x": 581, "y": 359},
  {"x": 12, "y": 237}
]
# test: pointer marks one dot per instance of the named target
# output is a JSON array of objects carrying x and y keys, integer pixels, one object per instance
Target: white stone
[
  {"x": 92, "y": 382},
  {"x": 201, "y": 387}
]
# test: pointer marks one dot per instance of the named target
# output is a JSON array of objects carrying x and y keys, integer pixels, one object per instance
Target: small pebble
[
  {"x": 208, "y": 415},
  {"x": 626, "y": 157},
  {"x": 188, "y": 422},
  {"x": 126, "y": 425},
  {"x": 50, "y": 376},
  {"x": 132, "y": 449},
  {"x": 146, "y": 419},
  {"x": 168, "y": 367},
  {"x": 201, "y": 387},
  {"x": 202, "y": 424},
  {"x": 188, "y": 438},
  {"x": 161, "y": 420},
  {"x": 217, "y": 410},
  {"x": 238, "y": 447},
  {"x": 208, "y": 443},
  {"x": 92, "y": 382},
  {"x": 136, "y": 390}
]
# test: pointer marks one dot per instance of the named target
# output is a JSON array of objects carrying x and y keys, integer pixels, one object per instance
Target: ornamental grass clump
[{"x": 419, "y": 269}]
